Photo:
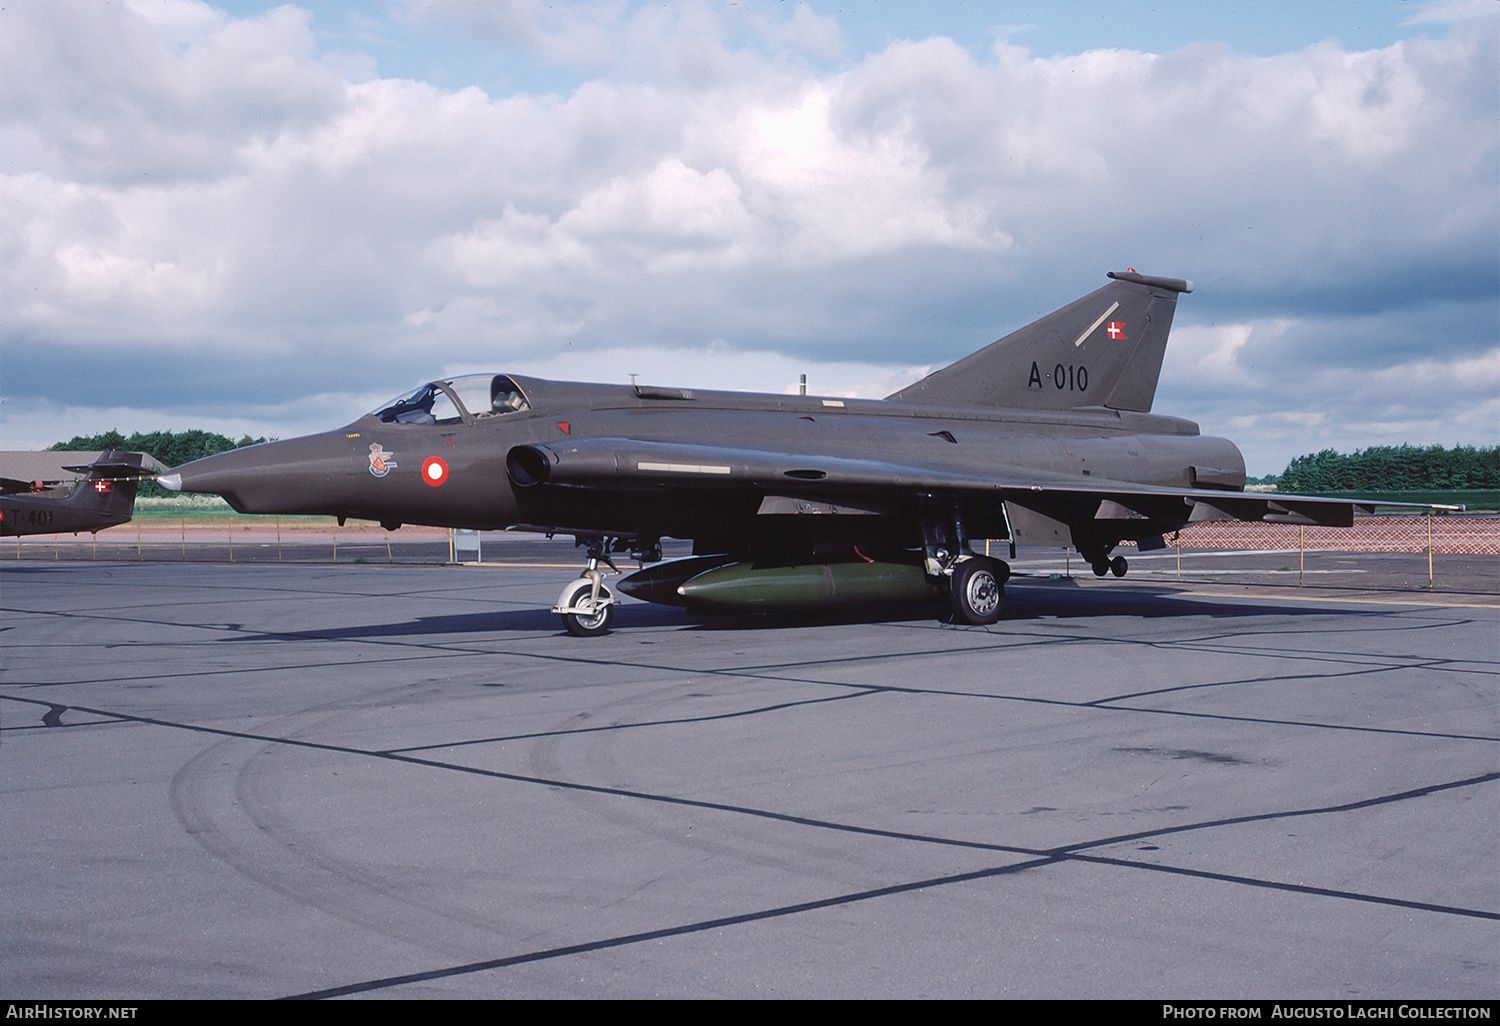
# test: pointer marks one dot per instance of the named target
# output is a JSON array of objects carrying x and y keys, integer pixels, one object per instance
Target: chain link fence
[
  {"x": 240, "y": 539},
  {"x": 246, "y": 539},
  {"x": 1443, "y": 535}
]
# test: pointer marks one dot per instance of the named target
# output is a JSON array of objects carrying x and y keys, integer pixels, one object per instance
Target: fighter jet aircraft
[
  {"x": 104, "y": 498},
  {"x": 797, "y": 502}
]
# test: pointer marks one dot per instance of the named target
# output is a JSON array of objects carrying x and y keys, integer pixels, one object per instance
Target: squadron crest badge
[{"x": 381, "y": 462}]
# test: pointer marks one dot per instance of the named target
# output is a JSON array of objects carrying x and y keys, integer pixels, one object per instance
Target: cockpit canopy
[{"x": 477, "y": 396}]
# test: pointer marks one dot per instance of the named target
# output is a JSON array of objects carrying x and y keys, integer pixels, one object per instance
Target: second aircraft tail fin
[
  {"x": 1105, "y": 349},
  {"x": 110, "y": 484}
]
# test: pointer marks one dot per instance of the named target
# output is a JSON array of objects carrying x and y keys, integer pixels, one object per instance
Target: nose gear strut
[{"x": 586, "y": 606}]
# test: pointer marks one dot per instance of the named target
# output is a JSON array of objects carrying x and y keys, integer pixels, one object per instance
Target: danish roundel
[{"x": 434, "y": 470}]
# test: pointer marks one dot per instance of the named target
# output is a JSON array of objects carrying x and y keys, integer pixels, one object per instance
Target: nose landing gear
[{"x": 586, "y": 606}]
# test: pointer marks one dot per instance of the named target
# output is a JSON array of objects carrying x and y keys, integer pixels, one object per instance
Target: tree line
[{"x": 1393, "y": 468}]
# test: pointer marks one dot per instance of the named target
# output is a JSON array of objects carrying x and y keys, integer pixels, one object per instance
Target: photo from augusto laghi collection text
[{"x": 1263, "y": 1010}]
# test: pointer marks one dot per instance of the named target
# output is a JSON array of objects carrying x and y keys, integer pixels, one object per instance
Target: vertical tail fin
[
  {"x": 1105, "y": 349},
  {"x": 108, "y": 490}
]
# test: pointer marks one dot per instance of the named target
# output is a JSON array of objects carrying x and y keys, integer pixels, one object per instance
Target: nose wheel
[
  {"x": 584, "y": 613},
  {"x": 586, "y": 606}
]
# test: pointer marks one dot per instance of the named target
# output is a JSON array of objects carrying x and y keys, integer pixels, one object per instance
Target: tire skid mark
[
  {"x": 741, "y": 841},
  {"x": 632, "y": 724},
  {"x": 266, "y": 848},
  {"x": 1279, "y": 678},
  {"x": 1058, "y": 852},
  {"x": 385, "y": 905}
]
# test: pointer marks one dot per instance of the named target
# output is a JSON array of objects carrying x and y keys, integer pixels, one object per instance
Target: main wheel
[
  {"x": 978, "y": 590},
  {"x": 1118, "y": 566},
  {"x": 587, "y": 625}
]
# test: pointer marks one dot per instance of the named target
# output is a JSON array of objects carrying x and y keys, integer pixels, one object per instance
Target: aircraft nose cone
[
  {"x": 212, "y": 475},
  {"x": 300, "y": 475}
]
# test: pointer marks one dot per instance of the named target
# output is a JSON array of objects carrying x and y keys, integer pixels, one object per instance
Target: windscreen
[{"x": 427, "y": 405}]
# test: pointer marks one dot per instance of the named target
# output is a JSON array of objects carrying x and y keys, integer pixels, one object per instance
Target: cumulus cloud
[
  {"x": 1239, "y": 380},
  {"x": 207, "y": 208}
]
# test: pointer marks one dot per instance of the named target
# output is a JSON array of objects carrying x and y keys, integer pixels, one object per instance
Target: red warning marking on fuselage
[
  {"x": 564, "y": 427},
  {"x": 434, "y": 470}
]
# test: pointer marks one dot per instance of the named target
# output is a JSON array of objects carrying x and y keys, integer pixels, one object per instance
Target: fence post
[
  {"x": 137, "y": 538},
  {"x": 1429, "y": 550},
  {"x": 1301, "y": 552},
  {"x": 278, "y": 539},
  {"x": 182, "y": 521},
  {"x": 335, "y": 541},
  {"x": 231, "y": 539}
]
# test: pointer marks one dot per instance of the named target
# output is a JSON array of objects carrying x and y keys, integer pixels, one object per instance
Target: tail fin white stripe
[{"x": 1093, "y": 327}]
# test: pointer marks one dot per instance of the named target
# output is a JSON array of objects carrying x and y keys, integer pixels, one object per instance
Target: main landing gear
[
  {"x": 1116, "y": 566},
  {"x": 976, "y": 584},
  {"x": 977, "y": 589}
]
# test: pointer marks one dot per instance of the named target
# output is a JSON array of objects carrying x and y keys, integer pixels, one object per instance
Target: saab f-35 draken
[
  {"x": 796, "y": 502},
  {"x": 104, "y": 498}
]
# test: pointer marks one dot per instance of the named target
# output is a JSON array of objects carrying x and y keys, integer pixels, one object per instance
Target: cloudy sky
[{"x": 267, "y": 219}]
